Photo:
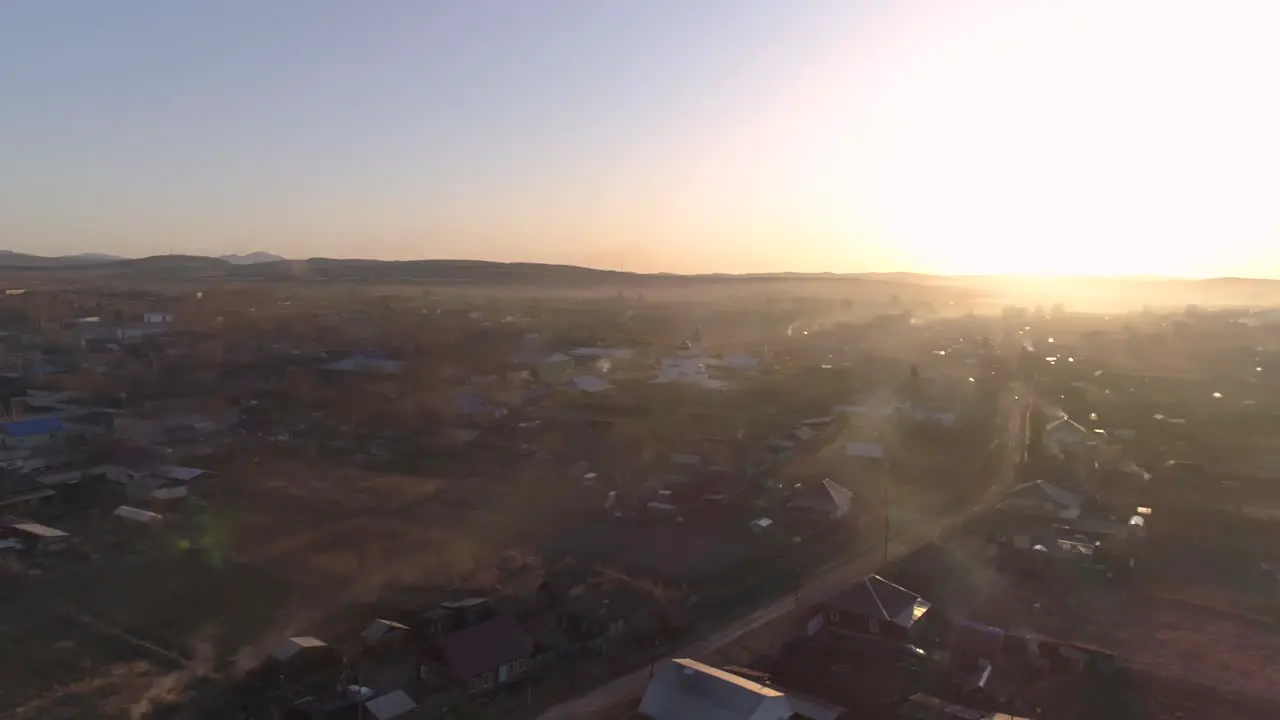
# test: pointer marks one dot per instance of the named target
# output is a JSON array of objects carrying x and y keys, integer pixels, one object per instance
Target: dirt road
[{"x": 822, "y": 586}]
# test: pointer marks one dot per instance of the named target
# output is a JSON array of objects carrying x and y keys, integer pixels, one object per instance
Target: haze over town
[{"x": 662, "y": 360}]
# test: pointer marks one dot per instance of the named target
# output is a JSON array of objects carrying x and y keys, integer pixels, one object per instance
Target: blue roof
[{"x": 34, "y": 426}]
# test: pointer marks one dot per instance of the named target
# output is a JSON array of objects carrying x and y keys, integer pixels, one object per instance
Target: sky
[{"x": 1078, "y": 137}]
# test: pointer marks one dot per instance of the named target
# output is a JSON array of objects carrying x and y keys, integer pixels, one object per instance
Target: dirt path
[{"x": 825, "y": 584}]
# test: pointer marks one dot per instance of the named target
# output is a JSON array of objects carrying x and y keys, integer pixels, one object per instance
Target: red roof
[{"x": 484, "y": 647}]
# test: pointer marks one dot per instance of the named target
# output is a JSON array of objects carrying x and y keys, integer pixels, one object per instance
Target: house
[
  {"x": 487, "y": 656},
  {"x": 602, "y": 613},
  {"x": 872, "y": 608},
  {"x": 684, "y": 689},
  {"x": 452, "y": 616},
  {"x": 689, "y": 370},
  {"x": 1067, "y": 435},
  {"x": 157, "y": 317},
  {"x": 32, "y": 432},
  {"x": 304, "y": 661},
  {"x": 1043, "y": 499},
  {"x": 826, "y": 498},
  {"x": 36, "y": 538}
]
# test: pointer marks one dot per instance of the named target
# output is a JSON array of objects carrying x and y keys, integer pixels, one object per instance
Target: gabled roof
[
  {"x": 32, "y": 427},
  {"x": 683, "y": 689},
  {"x": 484, "y": 647},
  {"x": 380, "y": 628},
  {"x": 878, "y": 599},
  {"x": 827, "y": 496},
  {"x": 1046, "y": 495}
]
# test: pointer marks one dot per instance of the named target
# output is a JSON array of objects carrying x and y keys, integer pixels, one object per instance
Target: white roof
[
  {"x": 133, "y": 513},
  {"x": 683, "y": 689},
  {"x": 38, "y": 529},
  {"x": 293, "y": 645},
  {"x": 391, "y": 705},
  {"x": 556, "y": 358},
  {"x": 864, "y": 450},
  {"x": 378, "y": 628}
]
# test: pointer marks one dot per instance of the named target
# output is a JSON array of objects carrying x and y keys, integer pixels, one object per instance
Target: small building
[
  {"x": 36, "y": 538},
  {"x": 304, "y": 662},
  {"x": 32, "y": 432},
  {"x": 487, "y": 656},
  {"x": 873, "y": 608}
]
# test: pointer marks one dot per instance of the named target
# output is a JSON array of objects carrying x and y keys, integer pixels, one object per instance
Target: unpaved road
[{"x": 825, "y": 584}]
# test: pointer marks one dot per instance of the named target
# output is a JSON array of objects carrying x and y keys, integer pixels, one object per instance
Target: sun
[{"x": 1092, "y": 140}]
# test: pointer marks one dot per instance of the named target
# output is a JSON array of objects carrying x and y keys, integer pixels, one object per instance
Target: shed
[
  {"x": 295, "y": 645},
  {"x": 38, "y": 538}
]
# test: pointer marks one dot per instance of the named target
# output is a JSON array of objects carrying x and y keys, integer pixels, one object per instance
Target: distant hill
[
  {"x": 253, "y": 258},
  {"x": 9, "y": 258}
]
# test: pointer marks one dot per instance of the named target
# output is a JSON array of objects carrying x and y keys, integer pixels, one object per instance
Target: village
[
  {"x": 1130, "y": 573},
  {"x": 289, "y": 500}
]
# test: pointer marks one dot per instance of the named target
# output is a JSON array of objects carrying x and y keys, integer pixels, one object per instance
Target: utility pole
[{"x": 886, "y": 519}]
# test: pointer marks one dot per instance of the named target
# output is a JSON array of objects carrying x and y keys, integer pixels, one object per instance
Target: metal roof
[{"x": 32, "y": 427}]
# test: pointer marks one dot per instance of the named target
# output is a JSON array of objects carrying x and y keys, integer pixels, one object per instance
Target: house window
[
  {"x": 473, "y": 685},
  {"x": 833, "y": 616},
  {"x": 874, "y": 625},
  {"x": 520, "y": 665},
  {"x": 488, "y": 680}
]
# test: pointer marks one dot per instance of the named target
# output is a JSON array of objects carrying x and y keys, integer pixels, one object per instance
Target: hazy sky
[{"x": 1055, "y": 136}]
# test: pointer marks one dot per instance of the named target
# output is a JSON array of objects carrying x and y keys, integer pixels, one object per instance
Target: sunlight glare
[{"x": 1090, "y": 139}]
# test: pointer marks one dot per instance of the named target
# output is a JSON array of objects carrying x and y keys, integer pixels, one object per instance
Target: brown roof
[{"x": 484, "y": 647}]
